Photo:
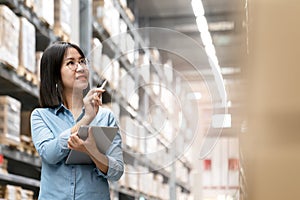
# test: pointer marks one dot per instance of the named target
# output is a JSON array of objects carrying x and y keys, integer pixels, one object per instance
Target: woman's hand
[
  {"x": 92, "y": 101},
  {"x": 87, "y": 146}
]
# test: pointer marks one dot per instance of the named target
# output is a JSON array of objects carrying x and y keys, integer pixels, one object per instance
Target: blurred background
[{"x": 205, "y": 92}]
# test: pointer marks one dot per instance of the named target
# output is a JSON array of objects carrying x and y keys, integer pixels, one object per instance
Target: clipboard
[{"x": 103, "y": 135}]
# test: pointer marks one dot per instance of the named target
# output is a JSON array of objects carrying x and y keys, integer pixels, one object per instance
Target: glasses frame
[{"x": 76, "y": 63}]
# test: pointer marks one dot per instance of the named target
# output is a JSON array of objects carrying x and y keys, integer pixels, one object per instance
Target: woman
[{"x": 64, "y": 108}]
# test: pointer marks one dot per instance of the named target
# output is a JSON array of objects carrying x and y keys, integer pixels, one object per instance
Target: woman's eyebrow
[{"x": 72, "y": 58}]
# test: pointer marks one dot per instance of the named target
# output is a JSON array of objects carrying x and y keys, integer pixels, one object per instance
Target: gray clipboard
[{"x": 103, "y": 135}]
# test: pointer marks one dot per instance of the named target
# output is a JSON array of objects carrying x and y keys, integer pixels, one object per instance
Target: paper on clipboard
[{"x": 103, "y": 135}]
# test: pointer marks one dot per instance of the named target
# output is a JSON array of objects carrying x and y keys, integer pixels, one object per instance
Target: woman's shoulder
[
  {"x": 42, "y": 111},
  {"x": 38, "y": 110}
]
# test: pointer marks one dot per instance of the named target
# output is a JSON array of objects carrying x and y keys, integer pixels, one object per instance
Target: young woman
[{"x": 66, "y": 104}]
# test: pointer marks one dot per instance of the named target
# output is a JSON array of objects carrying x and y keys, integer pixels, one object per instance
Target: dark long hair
[{"x": 50, "y": 75}]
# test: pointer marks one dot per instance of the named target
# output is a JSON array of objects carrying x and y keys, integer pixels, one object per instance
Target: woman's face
[{"x": 74, "y": 74}]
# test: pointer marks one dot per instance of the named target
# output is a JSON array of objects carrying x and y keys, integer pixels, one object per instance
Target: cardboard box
[
  {"x": 45, "y": 11},
  {"x": 27, "y": 45},
  {"x": 62, "y": 17},
  {"x": 9, "y": 37},
  {"x": 10, "y": 120}
]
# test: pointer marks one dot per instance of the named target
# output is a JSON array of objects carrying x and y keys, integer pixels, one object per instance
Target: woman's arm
[
  {"x": 51, "y": 146},
  {"x": 109, "y": 165}
]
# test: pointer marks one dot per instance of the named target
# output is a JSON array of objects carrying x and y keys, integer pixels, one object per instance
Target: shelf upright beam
[
  {"x": 75, "y": 23},
  {"x": 86, "y": 28}
]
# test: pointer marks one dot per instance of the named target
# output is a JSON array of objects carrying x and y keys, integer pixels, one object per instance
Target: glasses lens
[
  {"x": 83, "y": 62},
  {"x": 74, "y": 65}
]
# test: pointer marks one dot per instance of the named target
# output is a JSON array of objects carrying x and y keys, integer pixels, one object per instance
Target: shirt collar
[{"x": 59, "y": 108}]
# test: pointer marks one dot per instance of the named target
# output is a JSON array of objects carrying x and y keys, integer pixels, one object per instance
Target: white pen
[{"x": 103, "y": 85}]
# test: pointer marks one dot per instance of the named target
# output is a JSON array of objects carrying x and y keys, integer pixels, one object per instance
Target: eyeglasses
[{"x": 72, "y": 65}]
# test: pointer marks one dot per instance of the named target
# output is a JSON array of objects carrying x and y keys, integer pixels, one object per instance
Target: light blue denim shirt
[{"x": 51, "y": 129}]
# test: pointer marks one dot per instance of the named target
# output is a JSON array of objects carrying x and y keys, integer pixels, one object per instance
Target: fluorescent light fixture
[
  {"x": 212, "y": 58},
  {"x": 194, "y": 96},
  {"x": 221, "y": 26},
  {"x": 206, "y": 38},
  {"x": 230, "y": 70},
  {"x": 210, "y": 50},
  {"x": 202, "y": 23},
  {"x": 221, "y": 121},
  {"x": 229, "y": 104},
  {"x": 197, "y": 7}
]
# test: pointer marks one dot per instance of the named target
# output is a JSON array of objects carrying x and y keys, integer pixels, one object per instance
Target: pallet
[
  {"x": 27, "y": 75},
  {"x": 29, "y": 4},
  {"x": 27, "y": 146},
  {"x": 3, "y": 166},
  {"x": 7, "y": 65},
  {"x": 60, "y": 33},
  {"x": 9, "y": 142}
]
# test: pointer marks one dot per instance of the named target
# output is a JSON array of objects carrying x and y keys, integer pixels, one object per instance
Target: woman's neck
[{"x": 74, "y": 102}]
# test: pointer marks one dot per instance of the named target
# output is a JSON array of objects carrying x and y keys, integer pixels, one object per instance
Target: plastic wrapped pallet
[
  {"x": 132, "y": 178},
  {"x": 123, "y": 3},
  {"x": 13, "y": 192},
  {"x": 45, "y": 11},
  {"x": 111, "y": 19},
  {"x": 9, "y": 28},
  {"x": 10, "y": 120},
  {"x": 130, "y": 45},
  {"x": 29, "y": 3},
  {"x": 131, "y": 134},
  {"x": 98, "y": 10},
  {"x": 27, "y": 45},
  {"x": 115, "y": 74},
  {"x": 26, "y": 194},
  {"x": 144, "y": 67},
  {"x": 96, "y": 55},
  {"x": 62, "y": 18}
]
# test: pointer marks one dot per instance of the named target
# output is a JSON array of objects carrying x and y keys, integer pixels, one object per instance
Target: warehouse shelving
[
  {"x": 18, "y": 87},
  {"x": 126, "y": 106},
  {"x": 23, "y": 169},
  {"x": 100, "y": 32},
  {"x": 26, "y": 183},
  {"x": 19, "y": 156},
  {"x": 23, "y": 90},
  {"x": 137, "y": 36},
  {"x": 45, "y": 34}
]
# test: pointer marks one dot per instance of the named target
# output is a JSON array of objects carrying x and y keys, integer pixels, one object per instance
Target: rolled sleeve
[
  {"x": 115, "y": 170},
  {"x": 114, "y": 153}
]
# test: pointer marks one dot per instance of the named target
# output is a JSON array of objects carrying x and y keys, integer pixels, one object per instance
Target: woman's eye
[
  {"x": 70, "y": 63},
  {"x": 82, "y": 61}
]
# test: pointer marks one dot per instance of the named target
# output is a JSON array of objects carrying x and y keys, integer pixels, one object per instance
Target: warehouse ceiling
[
  {"x": 179, "y": 39},
  {"x": 177, "y": 15}
]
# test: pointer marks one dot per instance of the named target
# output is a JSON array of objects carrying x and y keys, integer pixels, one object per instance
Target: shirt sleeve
[
  {"x": 114, "y": 155},
  {"x": 50, "y": 148}
]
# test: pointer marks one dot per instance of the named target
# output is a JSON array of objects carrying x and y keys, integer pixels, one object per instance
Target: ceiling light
[
  {"x": 230, "y": 70},
  {"x": 221, "y": 26},
  {"x": 194, "y": 96},
  {"x": 202, "y": 23},
  {"x": 221, "y": 121},
  {"x": 197, "y": 7},
  {"x": 210, "y": 49},
  {"x": 206, "y": 38}
]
